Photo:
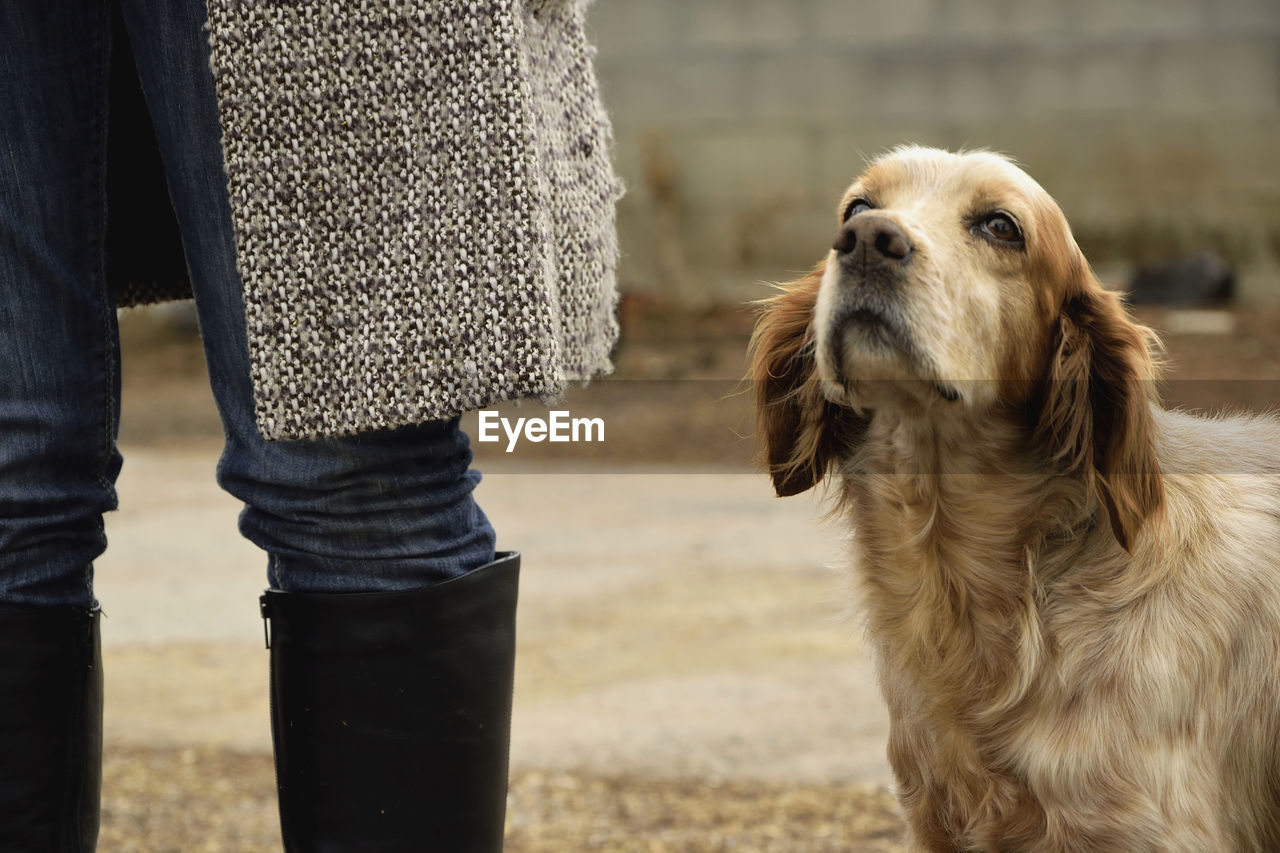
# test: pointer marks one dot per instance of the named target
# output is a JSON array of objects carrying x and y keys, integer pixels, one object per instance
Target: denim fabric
[{"x": 379, "y": 511}]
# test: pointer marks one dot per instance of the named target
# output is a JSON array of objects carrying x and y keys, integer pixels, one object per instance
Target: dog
[{"x": 1072, "y": 595}]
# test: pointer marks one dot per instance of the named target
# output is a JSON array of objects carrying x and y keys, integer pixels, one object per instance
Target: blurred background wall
[{"x": 1156, "y": 124}]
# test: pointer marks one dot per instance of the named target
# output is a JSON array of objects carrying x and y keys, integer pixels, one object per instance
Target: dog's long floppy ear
[
  {"x": 801, "y": 431},
  {"x": 1097, "y": 409}
]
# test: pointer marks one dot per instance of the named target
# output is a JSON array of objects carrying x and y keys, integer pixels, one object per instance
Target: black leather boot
[
  {"x": 50, "y": 729},
  {"x": 391, "y": 714}
]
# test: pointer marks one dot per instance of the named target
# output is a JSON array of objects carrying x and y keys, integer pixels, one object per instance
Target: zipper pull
[{"x": 265, "y": 608}]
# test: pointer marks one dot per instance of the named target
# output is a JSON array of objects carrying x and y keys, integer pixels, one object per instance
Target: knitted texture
[{"x": 423, "y": 205}]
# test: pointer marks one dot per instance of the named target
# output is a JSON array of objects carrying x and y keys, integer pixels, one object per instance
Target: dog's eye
[
  {"x": 858, "y": 205},
  {"x": 1000, "y": 227}
]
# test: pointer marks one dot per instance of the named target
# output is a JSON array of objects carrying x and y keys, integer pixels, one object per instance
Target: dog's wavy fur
[{"x": 1073, "y": 595}]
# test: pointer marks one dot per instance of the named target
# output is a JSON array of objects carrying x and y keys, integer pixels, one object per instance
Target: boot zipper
[
  {"x": 88, "y": 631},
  {"x": 264, "y": 607}
]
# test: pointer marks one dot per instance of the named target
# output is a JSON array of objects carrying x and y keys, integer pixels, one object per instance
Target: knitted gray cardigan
[{"x": 423, "y": 205}]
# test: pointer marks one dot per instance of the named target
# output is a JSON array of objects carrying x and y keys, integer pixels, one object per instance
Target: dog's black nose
[{"x": 870, "y": 240}]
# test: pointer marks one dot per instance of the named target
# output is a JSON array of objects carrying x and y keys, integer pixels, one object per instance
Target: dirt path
[
  {"x": 669, "y": 625},
  {"x": 685, "y": 674}
]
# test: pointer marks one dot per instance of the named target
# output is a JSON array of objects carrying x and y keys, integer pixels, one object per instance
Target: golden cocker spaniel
[{"x": 1072, "y": 594}]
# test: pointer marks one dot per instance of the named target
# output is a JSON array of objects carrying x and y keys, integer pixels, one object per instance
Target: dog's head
[{"x": 954, "y": 288}]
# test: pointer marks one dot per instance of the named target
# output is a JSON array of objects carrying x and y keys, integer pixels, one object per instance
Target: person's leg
[
  {"x": 392, "y": 623},
  {"x": 59, "y": 349},
  {"x": 59, "y": 407},
  {"x": 380, "y": 511}
]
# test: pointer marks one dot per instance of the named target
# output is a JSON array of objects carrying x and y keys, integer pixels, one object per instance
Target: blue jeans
[{"x": 379, "y": 511}]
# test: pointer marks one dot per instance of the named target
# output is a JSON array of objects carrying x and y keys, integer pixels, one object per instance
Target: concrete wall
[{"x": 1156, "y": 123}]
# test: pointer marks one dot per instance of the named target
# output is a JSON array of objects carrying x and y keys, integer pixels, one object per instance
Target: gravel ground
[{"x": 208, "y": 800}]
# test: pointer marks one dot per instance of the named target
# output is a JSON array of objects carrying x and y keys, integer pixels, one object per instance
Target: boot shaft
[
  {"x": 50, "y": 729},
  {"x": 391, "y": 714}
]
